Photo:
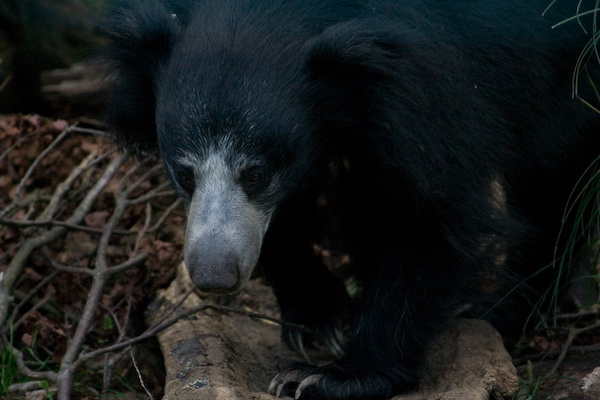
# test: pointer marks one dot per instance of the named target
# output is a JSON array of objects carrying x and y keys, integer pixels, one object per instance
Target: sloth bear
[{"x": 442, "y": 132}]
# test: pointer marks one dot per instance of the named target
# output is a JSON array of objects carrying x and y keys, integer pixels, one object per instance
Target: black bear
[{"x": 443, "y": 131}]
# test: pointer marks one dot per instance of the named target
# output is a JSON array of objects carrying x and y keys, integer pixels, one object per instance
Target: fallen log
[{"x": 229, "y": 356}]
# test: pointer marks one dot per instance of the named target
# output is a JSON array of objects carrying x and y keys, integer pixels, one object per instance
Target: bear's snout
[{"x": 214, "y": 270}]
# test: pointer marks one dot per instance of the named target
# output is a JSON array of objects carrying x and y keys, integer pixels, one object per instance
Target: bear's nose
[{"x": 213, "y": 270}]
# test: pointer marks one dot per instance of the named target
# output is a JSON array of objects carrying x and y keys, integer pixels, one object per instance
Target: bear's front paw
[
  {"x": 328, "y": 337},
  {"x": 304, "y": 382},
  {"x": 290, "y": 380}
]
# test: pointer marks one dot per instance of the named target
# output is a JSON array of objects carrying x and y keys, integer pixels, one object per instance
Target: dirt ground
[{"x": 223, "y": 351}]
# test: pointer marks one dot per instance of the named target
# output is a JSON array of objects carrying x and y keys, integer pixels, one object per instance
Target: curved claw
[
  {"x": 276, "y": 385},
  {"x": 339, "y": 335},
  {"x": 306, "y": 382},
  {"x": 283, "y": 378},
  {"x": 334, "y": 346},
  {"x": 337, "y": 381},
  {"x": 296, "y": 342},
  {"x": 330, "y": 339}
]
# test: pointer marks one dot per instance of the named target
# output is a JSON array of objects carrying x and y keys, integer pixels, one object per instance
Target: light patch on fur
[
  {"x": 221, "y": 218},
  {"x": 216, "y": 155}
]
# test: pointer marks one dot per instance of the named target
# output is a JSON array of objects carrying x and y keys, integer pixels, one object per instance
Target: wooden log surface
[{"x": 229, "y": 356}]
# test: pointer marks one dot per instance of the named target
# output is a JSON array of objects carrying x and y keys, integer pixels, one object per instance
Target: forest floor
[{"x": 49, "y": 298}]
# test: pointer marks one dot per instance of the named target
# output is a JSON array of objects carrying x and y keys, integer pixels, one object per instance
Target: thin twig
[
  {"x": 128, "y": 174},
  {"x": 144, "y": 178},
  {"x": 25, "y": 387},
  {"x": 13, "y": 271},
  {"x": 65, "y": 268},
  {"x": 123, "y": 332},
  {"x": 30, "y": 294},
  {"x": 107, "y": 368},
  {"x": 36, "y": 162},
  {"x": 35, "y": 307},
  {"x": 65, "y": 186},
  {"x": 120, "y": 328},
  {"x": 577, "y": 315},
  {"x": 139, "y": 374},
  {"x": 154, "y": 193},
  {"x": 52, "y": 223},
  {"x": 563, "y": 353},
  {"x": 101, "y": 273},
  {"x": 571, "y": 336},
  {"x": 19, "y": 142},
  {"x": 132, "y": 262},
  {"x": 165, "y": 215},
  {"x": 23, "y": 369},
  {"x": 156, "y": 328},
  {"x": 144, "y": 229},
  {"x": 89, "y": 131}
]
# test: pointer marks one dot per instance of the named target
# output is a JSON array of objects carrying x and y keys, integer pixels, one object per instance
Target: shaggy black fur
[{"x": 450, "y": 127}]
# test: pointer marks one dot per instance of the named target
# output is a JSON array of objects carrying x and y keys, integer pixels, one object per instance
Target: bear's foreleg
[
  {"x": 412, "y": 293},
  {"x": 309, "y": 295}
]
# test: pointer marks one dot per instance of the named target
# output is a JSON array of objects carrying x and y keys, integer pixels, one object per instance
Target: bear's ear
[
  {"x": 354, "y": 48},
  {"x": 142, "y": 36},
  {"x": 352, "y": 67}
]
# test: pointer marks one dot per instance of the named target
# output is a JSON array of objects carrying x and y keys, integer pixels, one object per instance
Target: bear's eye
[{"x": 254, "y": 180}]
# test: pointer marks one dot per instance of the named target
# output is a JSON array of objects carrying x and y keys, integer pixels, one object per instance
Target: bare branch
[
  {"x": 108, "y": 365},
  {"x": 51, "y": 223},
  {"x": 153, "y": 194},
  {"x": 65, "y": 268},
  {"x": 36, "y": 306},
  {"x": 20, "y": 141},
  {"x": 41, "y": 227},
  {"x": 100, "y": 274},
  {"x": 89, "y": 131},
  {"x": 144, "y": 228},
  {"x": 132, "y": 262},
  {"x": 30, "y": 294},
  {"x": 23, "y": 369},
  {"x": 572, "y": 334},
  {"x": 36, "y": 162},
  {"x": 139, "y": 374},
  {"x": 158, "y": 327},
  {"x": 25, "y": 386},
  {"x": 64, "y": 187},
  {"x": 8, "y": 279},
  {"x": 145, "y": 176},
  {"x": 164, "y": 216}
]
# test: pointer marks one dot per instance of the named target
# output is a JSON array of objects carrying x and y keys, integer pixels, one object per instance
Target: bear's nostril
[{"x": 214, "y": 272}]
